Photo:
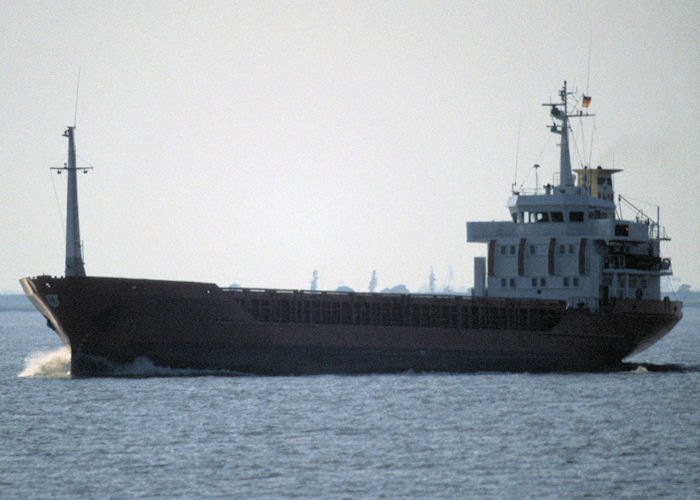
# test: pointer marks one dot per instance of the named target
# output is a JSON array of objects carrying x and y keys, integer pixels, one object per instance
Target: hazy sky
[{"x": 252, "y": 142}]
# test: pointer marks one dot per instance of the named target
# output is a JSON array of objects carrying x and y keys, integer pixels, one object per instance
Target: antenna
[
  {"x": 517, "y": 154},
  {"x": 588, "y": 75},
  {"x": 586, "y": 102},
  {"x": 77, "y": 89}
]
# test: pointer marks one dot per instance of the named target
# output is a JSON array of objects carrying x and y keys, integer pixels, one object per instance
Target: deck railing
[{"x": 404, "y": 310}]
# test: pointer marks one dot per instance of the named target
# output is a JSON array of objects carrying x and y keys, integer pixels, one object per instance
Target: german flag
[{"x": 586, "y": 101}]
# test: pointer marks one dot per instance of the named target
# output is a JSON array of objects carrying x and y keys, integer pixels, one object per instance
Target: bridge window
[
  {"x": 542, "y": 217},
  {"x": 557, "y": 217},
  {"x": 575, "y": 216}
]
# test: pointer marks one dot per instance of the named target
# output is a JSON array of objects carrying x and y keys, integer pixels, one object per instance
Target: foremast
[{"x": 74, "y": 254}]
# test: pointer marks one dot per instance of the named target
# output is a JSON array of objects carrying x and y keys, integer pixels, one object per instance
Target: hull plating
[{"x": 109, "y": 322}]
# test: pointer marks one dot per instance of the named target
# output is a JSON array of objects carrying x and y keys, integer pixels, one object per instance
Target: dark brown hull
[{"x": 109, "y": 322}]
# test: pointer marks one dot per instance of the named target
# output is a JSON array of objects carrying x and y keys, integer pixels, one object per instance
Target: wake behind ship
[{"x": 566, "y": 285}]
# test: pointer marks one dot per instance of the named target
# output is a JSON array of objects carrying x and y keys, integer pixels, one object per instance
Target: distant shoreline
[{"x": 15, "y": 302}]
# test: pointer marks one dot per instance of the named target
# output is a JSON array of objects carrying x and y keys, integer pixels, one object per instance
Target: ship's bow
[{"x": 40, "y": 293}]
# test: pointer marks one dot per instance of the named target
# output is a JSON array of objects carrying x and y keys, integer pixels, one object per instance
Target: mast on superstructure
[
  {"x": 74, "y": 255},
  {"x": 560, "y": 112}
]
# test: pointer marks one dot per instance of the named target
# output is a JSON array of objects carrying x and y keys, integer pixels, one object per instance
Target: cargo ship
[{"x": 566, "y": 284}]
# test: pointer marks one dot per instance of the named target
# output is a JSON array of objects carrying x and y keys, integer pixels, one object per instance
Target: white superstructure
[{"x": 568, "y": 243}]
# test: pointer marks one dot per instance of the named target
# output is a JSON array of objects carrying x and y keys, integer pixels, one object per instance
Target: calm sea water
[{"x": 632, "y": 434}]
